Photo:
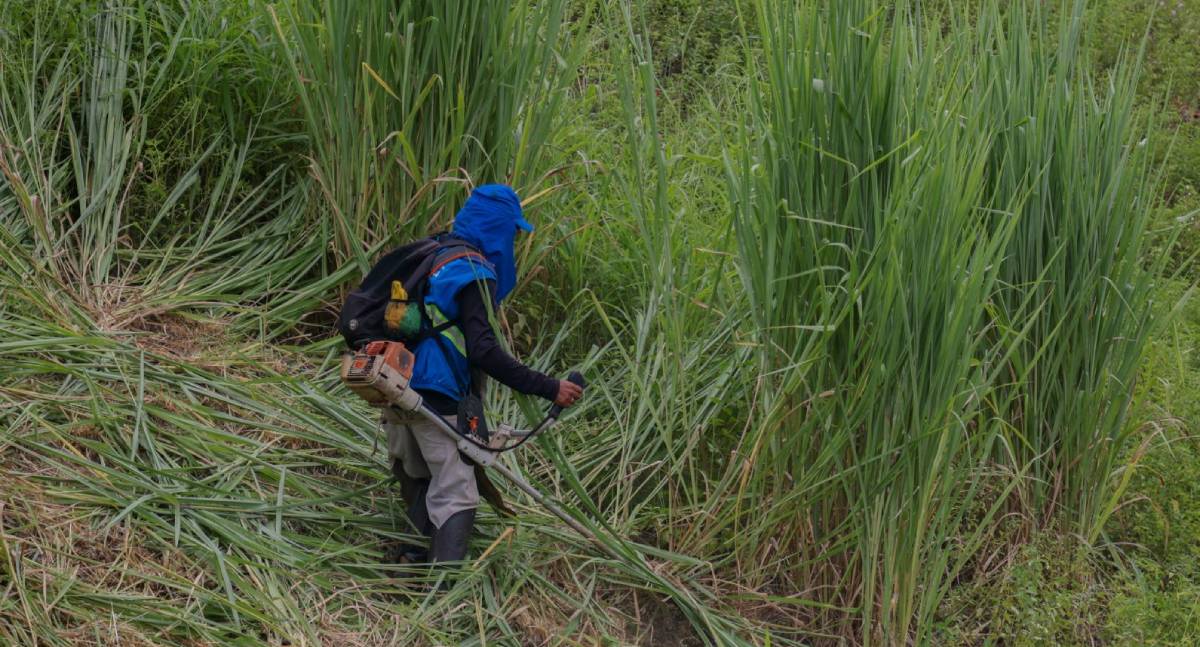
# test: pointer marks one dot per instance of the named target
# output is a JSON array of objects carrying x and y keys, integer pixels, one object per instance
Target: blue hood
[{"x": 489, "y": 220}]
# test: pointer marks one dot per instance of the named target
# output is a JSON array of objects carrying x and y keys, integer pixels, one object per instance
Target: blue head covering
[{"x": 489, "y": 220}]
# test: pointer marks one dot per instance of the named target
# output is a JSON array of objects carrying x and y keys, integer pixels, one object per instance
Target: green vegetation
[{"x": 878, "y": 301}]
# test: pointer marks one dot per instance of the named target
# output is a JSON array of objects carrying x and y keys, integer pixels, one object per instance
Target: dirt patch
[
  {"x": 537, "y": 627},
  {"x": 662, "y": 623},
  {"x": 1188, "y": 113},
  {"x": 180, "y": 338}
]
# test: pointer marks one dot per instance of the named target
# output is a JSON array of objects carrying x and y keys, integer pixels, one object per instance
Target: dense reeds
[
  {"x": 406, "y": 103},
  {"x": 1076, "y": 307},
  {"x": 940, "y": 237},
  {"x": 914, "y": 305}
]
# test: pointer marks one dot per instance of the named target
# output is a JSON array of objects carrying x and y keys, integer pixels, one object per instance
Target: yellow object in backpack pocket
[
  {"x": 397, "y": 307},
  {"x": 399, "y": 318}
]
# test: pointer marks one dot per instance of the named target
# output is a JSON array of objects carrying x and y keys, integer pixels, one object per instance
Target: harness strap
[{"x": 454, "y": 257}]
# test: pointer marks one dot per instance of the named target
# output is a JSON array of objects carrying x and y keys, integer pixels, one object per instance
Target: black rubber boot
[
  {"x": 418, "y": 513},
  {"x": 450, "y": 540},
  {"x": 413, "y": 492}
]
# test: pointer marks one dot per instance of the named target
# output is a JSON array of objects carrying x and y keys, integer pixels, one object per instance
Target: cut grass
[{"x": 256, "y": 506}]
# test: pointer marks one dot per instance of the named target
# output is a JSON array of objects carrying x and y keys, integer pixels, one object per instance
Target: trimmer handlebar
[
  {"x": 380, "y": 371},
  {"x": 575, "y": 378},
  {"x": 484, "y": 454}
]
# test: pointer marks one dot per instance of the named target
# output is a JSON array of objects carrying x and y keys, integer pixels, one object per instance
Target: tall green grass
[
  {"x": 405, "y": 103},
  {"x": 940, "y": 238},
  {"x": 86, "y": 187},
  {"x": 1076, "y": 303}
]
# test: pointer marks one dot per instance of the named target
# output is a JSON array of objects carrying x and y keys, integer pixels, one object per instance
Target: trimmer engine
[{"x": 379, "y": 373}]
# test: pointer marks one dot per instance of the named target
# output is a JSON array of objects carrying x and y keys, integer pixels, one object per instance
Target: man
[{"x": 439, "y": 486}]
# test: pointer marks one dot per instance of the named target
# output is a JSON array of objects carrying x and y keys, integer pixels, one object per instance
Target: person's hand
[{"x": 568, "y": 393}]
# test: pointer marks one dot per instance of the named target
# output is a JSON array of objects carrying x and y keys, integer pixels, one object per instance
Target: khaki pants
[{"x": 425, "y": 452}]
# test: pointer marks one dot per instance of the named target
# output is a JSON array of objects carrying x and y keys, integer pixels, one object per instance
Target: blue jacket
[{"x": 489, "y": 220}]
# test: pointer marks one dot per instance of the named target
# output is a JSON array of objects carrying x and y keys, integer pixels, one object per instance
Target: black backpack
[{"x": 390, "y": 303}]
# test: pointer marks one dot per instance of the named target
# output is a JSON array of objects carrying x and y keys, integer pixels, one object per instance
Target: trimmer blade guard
[{"x": 379, "y": 373}]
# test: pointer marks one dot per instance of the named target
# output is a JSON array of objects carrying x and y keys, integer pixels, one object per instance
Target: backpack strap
[
  {"x": 466, "y": 253},
  {"x": 459, "y": 249}
]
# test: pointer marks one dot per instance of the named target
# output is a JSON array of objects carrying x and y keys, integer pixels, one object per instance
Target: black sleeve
[{"x": 485, "y": 352}]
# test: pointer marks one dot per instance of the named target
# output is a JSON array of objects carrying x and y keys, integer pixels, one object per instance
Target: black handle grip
[{"x": 575, "y": 378}]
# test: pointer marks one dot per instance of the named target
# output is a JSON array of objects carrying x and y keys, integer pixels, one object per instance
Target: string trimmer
[{"x": 380, "y": 373}]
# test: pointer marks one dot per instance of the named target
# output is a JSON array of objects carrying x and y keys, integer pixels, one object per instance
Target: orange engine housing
[
  {"x": 393, "y": 354},
  {"x": 379, "y": 373}
]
